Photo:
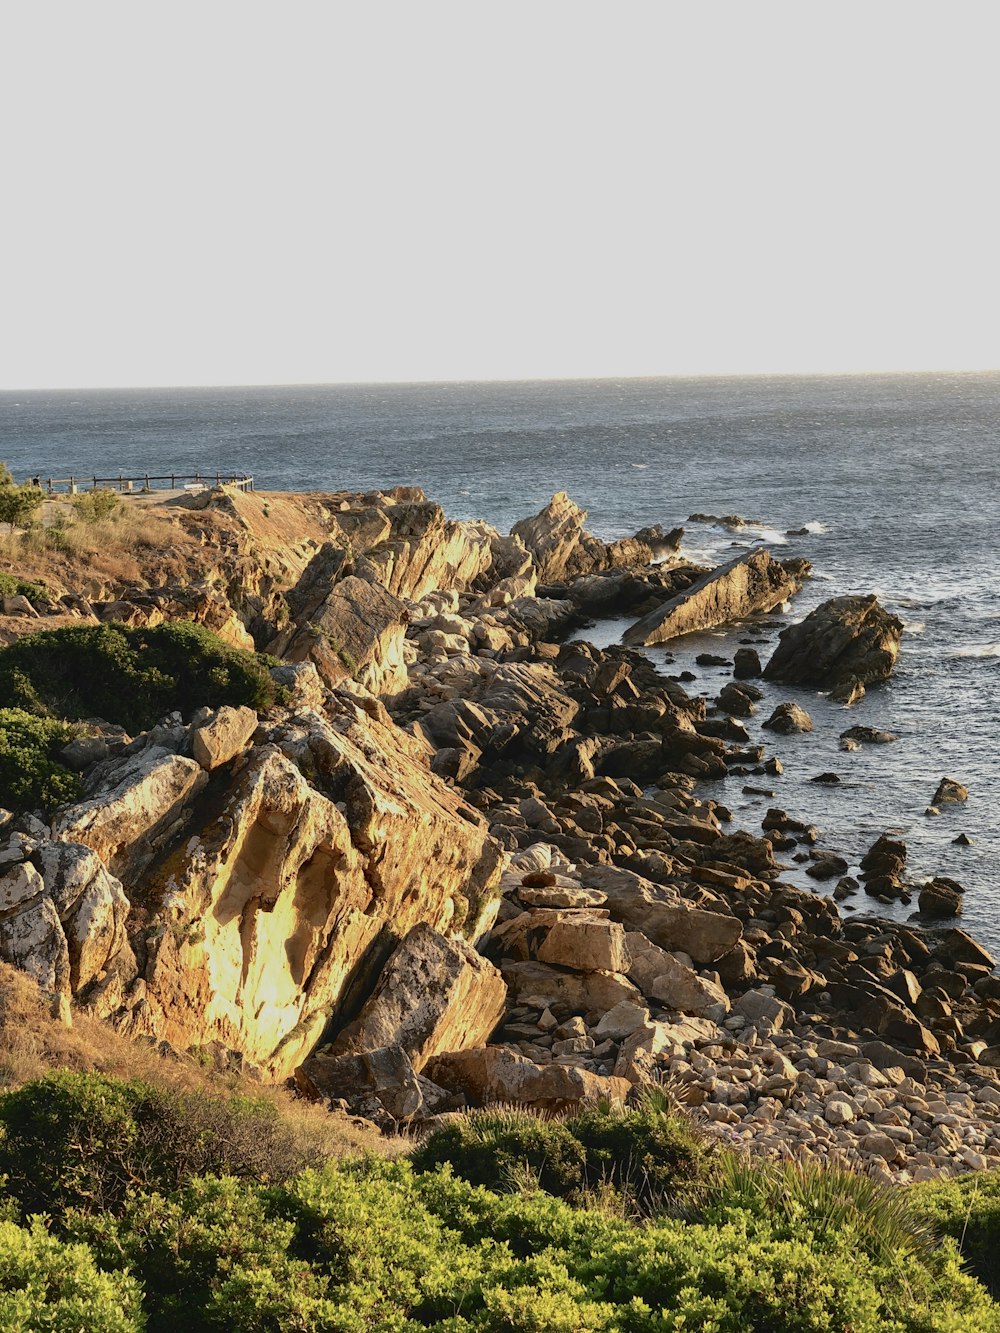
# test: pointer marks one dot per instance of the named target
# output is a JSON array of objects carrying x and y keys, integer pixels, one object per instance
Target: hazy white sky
[{"x": 230, "y": 192}]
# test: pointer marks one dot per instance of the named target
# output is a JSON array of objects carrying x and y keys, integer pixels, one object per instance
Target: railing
[{"x": 129, "y": 485}]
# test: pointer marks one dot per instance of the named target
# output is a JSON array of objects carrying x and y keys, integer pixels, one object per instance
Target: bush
[
  {"x": 131, "y": 677},
  {"x": 644, "y": 1156},
  {"x": 38, "y": 596},
  {"x": 46, "y": 1284},
  {"x": 85, "y": 1141},
  {"x": 18, "y": 503},
  {"x": 94, "y": 505},
  {"x": 371, "y": 1246},
  {"x": 968, "y": 1210},
  {"x": 31, "y": 777}
]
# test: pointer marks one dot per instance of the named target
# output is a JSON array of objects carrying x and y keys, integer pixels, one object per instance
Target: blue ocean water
[{"x": 896, "y": 478}]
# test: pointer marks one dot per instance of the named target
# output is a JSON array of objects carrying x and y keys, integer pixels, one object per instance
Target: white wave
[
  {"x": 640, "y": 465},
  {"x": 914, "y": 626},
  {"x": 978, "y": 650},
  {"x": 815, "y": 525},
  {"x": 761, "y": 532}
]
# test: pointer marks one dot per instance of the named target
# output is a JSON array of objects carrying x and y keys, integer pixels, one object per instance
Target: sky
[{"x": 234, "y": 192}]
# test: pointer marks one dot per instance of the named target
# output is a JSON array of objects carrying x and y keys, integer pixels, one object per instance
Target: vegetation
[
  {"x": 92, "y": 506},
  {"x": 11, "y": 586},
  {"x": 18, "y": 504},
  {"x": 968, "y": 1210},
  {"x": 31, "y": 776},
  {"x": 139, "y": 1232},
  {"x": 130, "y": 677}
]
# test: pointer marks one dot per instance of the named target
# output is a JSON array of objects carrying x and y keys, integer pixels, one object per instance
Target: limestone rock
[
  {"x": 357, "y": 631},
  {"x": 661, "y": 916},
  {"x": 223, "y": 736},
  {"x": 126, "y": 822},
  {"x": 583, "y": 940},
  {"x": 681, "y": 988},
  {"x": 433, "y": 995},
  {"x": 576, "y": 992},
  {"x": 562, "y": 548},
  {"x": 499, "y": 1074},
  {"x": 291, "y": 891},
  {"x": 950, "y": 792},
  {"x": 751, "y": 583},
  {"x": 846, "y": 642}
]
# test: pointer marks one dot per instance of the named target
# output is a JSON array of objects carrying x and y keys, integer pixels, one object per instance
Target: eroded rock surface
[{"x": 842, "y": 646}]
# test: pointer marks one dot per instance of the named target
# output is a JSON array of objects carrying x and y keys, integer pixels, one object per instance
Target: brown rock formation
[
  {"x": 747, "y": 585},
  {"x": 842, "y": 646}
]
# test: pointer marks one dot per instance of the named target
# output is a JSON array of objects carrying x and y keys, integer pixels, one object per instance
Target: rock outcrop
[
  {"x": 745, "y": 586},
  {"x": 842, "y": 646}
]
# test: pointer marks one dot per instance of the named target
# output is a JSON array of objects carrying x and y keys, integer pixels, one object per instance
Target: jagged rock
[
  {"x": 949, "y": 792},
  {"x": 385, "y": 1073},
  {"x": 621, "y": 1021},
  {"x": 846, "y": 643},
  {"x": 145, "y": 801},
  {"x": 357, "y": 631},
  {"x": 940, "y": 898},
  {"x": 661, "y": 917},
  {"x": 749, "y": 584},
  {"x": 92, "y": 908},
  {"x": 763, "y": 1010},
  {"x": 562, "y": 548},
  {"x": 499, "y": 1074},
  {"x": 788, "y": 718},
  {"x": 433, "y": 995},
  {"x": 266, "y": 913},
  {"x": 736, "y": 701},
  {"x": 221, "y": 737}
]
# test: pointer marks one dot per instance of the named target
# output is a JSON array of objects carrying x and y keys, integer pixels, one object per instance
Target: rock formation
[
  {"x": 747, "y": 585},
  {"x": 842, "y": 646}
]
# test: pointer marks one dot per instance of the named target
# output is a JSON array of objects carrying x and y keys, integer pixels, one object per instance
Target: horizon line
[{"x": 539, "y": 379}]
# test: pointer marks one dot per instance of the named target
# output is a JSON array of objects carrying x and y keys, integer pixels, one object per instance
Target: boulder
[
  {"x": 749, "y": 584},
  {"x": 940, "y": 898},
  {"x": 661, "y": 916},
  {"x": 950, "y": 792},
  {"x": 574, "y": 992},
  {"x": 141, "y": 803},
  {"x": 386, "y": 1074},
  {"x": 746, "y": 664},
  {"x": 788, "y": 718},
  {"x": 357, "y": 631},
  {"x": 845, "y": 644},
  {"x": 680, "y": 987},
  {"x": 223, "y": 736},
  {"x": 499, "y": 1074},
  {"x": 433, "y": 995}
]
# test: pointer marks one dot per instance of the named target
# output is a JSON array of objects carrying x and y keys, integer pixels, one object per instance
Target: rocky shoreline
[{"x": 473, "y": 858}]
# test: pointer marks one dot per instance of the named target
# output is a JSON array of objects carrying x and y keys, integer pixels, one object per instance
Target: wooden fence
[{"x": 130, "y": 485}]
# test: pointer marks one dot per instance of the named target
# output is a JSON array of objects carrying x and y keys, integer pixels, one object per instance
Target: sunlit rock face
[{"x": 331, "y": 843}]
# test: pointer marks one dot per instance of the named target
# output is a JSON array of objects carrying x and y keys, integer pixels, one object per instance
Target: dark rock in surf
[{"x": 844, "y": 645}]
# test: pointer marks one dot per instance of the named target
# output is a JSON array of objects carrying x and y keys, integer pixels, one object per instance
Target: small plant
[
  {"x": 95, "y": 505},
  {"x": 39, "y": 597}
]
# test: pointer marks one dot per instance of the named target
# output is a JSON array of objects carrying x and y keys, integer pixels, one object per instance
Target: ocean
[{"x": 896, "y": 479}]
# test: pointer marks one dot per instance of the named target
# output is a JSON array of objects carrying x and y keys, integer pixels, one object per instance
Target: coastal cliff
[{"x": 463, "y": 856}]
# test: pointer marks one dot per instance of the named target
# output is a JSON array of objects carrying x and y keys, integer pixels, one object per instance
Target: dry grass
[{"x": 32, "y": 1043}]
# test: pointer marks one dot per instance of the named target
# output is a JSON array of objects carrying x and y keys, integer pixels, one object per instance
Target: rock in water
[
  {"x": 950, "y": 792},
  {"x": 752, "y": 583},
  {"x": 788, "y": 718},
  {"x": 940, "y": 898},
  {"x": 843, "y": 645}
]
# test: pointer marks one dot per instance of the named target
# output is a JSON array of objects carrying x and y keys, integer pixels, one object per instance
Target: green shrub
[
  {"x": 46, "y": 1284},
  {"x": 131, "y": 677},
  {"x": 967, "y": 1209},
  {"x": 18, "y": 504},
  {"x": 85, "y": 1141},
  {"x": 645, "y": 1156},
  {"x": 39, "y": 597},
  {"x": 31, "y": 777},
  {"x": 94, "y": 505}
]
